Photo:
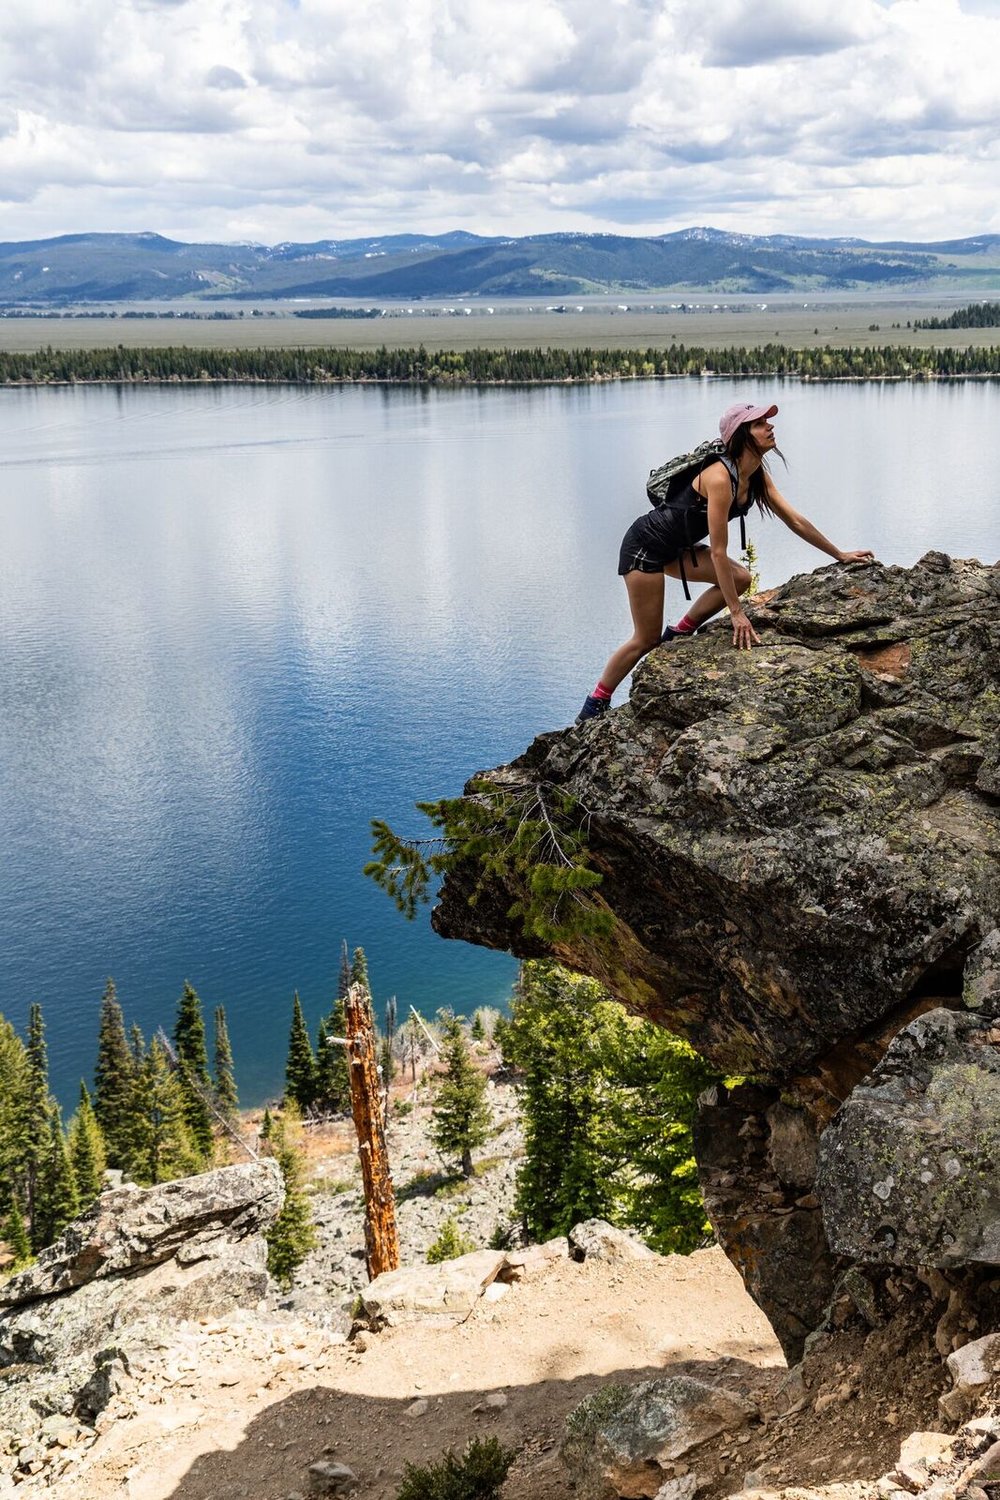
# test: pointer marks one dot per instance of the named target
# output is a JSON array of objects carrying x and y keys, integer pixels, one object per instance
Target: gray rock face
[
  {"x": 800, "y": 853},
  {"x": 625, "y": 1439},
  {"x": 139, "y": 1259},
  {"x": 975, "y": 1365},
  {"x": 596, "y": 1240},
  {"x": 134, "y": 1228},
  {"x": 445, "y": 1293},
  {"x": 981, "y": 987},
  {"x": 908, "y": 1167},
  {"x": 756, "y": 1166},
  {"x": 791, "y": 839}
]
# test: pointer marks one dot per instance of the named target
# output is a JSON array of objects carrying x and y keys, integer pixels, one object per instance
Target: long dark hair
[{"x": 741, "y": 440}]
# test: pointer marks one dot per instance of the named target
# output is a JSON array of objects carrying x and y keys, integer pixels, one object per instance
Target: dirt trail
[{"x": 244, "y": 1407}]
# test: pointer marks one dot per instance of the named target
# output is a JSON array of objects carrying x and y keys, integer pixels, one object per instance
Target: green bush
[
  {"x": 478, "y": 1475},
  {"x": 450, "y": 1244}
]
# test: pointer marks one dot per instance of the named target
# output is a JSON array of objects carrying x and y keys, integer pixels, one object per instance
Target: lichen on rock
[{"x": 908, "y": 1168}]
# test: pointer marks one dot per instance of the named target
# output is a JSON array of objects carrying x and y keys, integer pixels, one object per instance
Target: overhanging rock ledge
[{"x": 799, "y": 845}]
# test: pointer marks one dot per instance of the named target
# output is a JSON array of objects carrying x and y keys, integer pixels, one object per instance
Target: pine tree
[
  {"x": 164, "y": 1146},
  {"x": 300, "y": 1067},
  {"x": 15, "y": 1236},
  {"x": 477, "y": 1030},
  {"x": 225, "y": 1078},
  {"x": 137, "y": 1046},
  {"x": 192, "y": 1070},
  {"x": 333, "y": 1090},
  {"x": 359, "y": 969},
  {"x": 566, "y": 1174},
  {"x": 114, "y": 1081},
  {"x": 292, "y": 1234},
  {"x": 36, "y": 1126},
  {"x": 450, "y": 1243},
  {"x": 86, "y": 1150},
  {"x": 266, "y": 1126},
  {"x": 333, "y": 1068},
  {"x": 13, "y": 1112},
  {"x": 607, "y": 1105},
  {"x": 189, "y": 1035},
  {"x": 386, "y": 1060},
  {"x": 57, "y": 1200},
  {"x": 460, "y": 1119},
  {"x": 344, "y": 976}
]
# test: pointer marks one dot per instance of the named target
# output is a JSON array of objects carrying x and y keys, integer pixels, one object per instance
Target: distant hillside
[{"x": 142, "y": 267}]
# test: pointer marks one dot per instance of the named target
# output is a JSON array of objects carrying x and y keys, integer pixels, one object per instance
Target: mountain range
[{"x": 94, "y": 268}]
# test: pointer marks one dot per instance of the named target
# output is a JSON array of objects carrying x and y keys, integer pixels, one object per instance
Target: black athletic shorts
[{"x": 657, "y": 538}]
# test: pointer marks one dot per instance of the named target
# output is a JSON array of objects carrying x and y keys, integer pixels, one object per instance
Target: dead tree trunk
[{"x": 381, "y": 1238}]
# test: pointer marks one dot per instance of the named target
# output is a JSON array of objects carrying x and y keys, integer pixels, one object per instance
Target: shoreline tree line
[
  {"x": 974, "y": 315},
  {"x": 487, "y": 366}
]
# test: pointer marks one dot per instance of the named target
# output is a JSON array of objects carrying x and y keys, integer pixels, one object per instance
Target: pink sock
[
  {"x": 687, "y": 626},
  {"x": 601, "y": 691}
]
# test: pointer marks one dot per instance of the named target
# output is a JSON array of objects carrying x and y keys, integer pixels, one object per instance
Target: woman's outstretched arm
[{"x": 804, "y": 528}]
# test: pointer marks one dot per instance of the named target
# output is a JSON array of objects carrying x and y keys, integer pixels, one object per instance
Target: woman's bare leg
[
  {"x": 645, "y": 599},
  {"x": 702, "y": 570}
]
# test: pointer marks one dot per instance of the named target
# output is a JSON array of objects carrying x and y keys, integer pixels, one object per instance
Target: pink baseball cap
[{"x": 743, "y": 411}]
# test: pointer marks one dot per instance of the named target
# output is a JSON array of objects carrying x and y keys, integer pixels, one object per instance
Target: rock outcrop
[
  {"x": 800, "y": 857},
  {"x": 139, "y": 1261},
  {"x": 908, "y": 1168},
  {"x": 627, "y": 1439}
]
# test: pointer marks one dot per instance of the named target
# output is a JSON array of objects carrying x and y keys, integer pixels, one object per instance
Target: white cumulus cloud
[{"x": 302, "y": 119}]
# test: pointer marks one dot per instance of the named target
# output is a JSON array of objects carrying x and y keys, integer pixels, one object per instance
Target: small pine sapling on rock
[{"x": 292, "y": 1235}]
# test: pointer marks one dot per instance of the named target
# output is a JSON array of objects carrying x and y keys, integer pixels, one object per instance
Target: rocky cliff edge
[{"x": 800, "y": 858}]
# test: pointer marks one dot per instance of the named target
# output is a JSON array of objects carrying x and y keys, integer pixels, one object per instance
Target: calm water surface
[{"x": 238, "y": 623}]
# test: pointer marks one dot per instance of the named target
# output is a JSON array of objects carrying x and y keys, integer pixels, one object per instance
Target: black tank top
[{"x": 687, "y": 515}]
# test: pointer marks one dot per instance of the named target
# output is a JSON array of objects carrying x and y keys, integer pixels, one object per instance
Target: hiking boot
[
  {"x": 593, "y": 708},
  {"x": 670, "y": 634}
]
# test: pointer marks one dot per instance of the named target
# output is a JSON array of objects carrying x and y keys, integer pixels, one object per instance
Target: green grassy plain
[{"x": 600, "y": 326}]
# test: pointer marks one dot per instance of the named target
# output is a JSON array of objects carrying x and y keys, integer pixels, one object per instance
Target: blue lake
[{"x": 237, "y": 623}]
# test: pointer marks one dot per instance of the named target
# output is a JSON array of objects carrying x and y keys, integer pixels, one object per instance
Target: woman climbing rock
[{"x": 669, "y": 541}]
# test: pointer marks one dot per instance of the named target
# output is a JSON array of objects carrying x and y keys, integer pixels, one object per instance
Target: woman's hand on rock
[
  {"x": 863, "y": 556},
  {"x": 744, "y": 635}
]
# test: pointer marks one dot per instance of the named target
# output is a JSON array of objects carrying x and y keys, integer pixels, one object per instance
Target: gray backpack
[
  {"x": 673, "y": 477},
  {"x": 670, "y": 478}
]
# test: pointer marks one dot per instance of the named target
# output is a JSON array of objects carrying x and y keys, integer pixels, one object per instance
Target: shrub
[
  {"x": 450, "y": 1244},
  {"x": 478, "y": 1475}
]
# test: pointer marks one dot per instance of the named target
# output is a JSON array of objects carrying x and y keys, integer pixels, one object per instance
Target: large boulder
[
  {"x": 908, "y": 1167},
  {"x": 129, "y": 1229},
  {"x": 595, "y": 1239},
  {"x": 797, "y": 841},
  {"x": 138, "y": 1261},
  {"x": 436, "y": 1294},
  {"x": 625, "y": 1439}
]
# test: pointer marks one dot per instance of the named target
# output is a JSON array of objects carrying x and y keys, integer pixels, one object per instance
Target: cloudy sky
[{"x": 304, "y": 119}]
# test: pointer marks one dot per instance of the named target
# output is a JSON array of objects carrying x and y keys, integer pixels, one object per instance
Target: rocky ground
[
  {"x": 428, "y": 1192},
  {"x": 246, "y": 1404}
]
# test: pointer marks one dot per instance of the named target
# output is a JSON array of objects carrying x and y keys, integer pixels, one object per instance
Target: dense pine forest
[
  {"x": 975, "y": 315},
  {"x": 487, "y": 366},
  {"x": 153, "y": 1112}
]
